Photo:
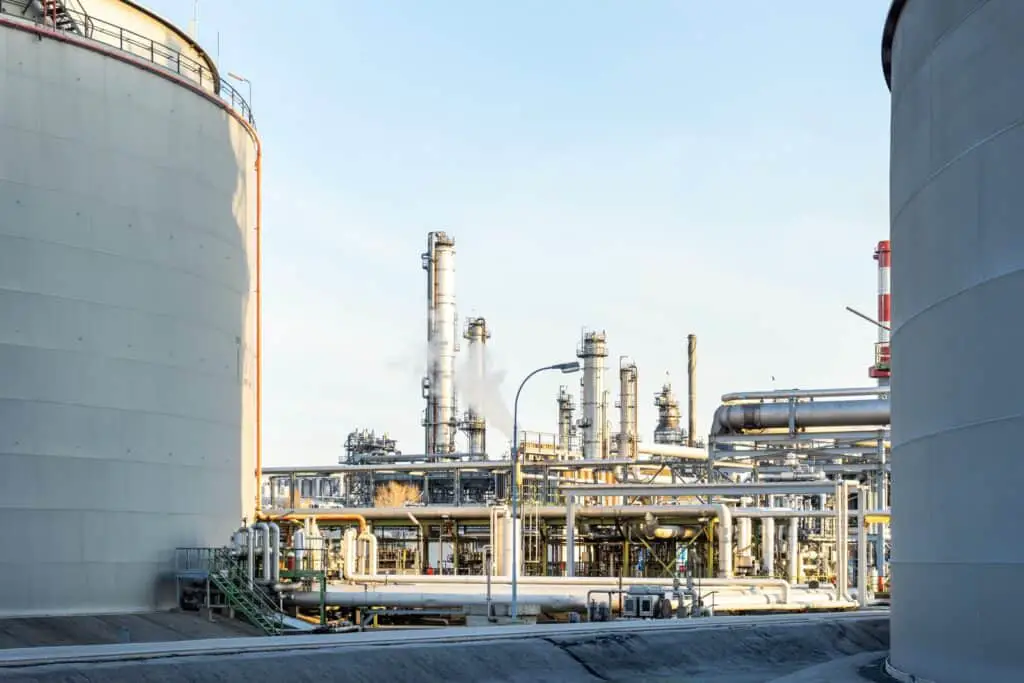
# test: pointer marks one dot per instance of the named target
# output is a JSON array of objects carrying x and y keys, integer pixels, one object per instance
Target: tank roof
[{"x": 888, "y": 33}]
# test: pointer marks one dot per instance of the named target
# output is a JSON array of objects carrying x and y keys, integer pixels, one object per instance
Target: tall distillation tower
[
  {"x": 473, "y": 422},
  {"x": 628, "y": 429},
  {"x": 439, "y": 421},
  {"x": 592, "y": 351}
]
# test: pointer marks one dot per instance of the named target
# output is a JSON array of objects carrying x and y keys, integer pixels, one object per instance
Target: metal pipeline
[
  {"x": 250, "y": 556},
  {"x": 275, "y": 552},
  {"x": 739, "y": 417},
  {"x": 669, "y": 451},
  {"x": 263, "y": 531},
  {"x": 320, "y": 517},
  {"x": 804, "y": 393},
  {"x": 311, "y": 599}
]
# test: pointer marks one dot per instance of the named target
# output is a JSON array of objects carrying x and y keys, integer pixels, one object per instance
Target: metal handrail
[{"x": 158, "y": 54}]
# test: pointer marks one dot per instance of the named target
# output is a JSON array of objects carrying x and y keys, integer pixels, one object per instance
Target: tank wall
[
  {"x": 127, "y": 328},
  {"x": 957, "y": 422}
]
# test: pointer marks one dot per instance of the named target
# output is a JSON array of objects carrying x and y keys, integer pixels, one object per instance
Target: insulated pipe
[
  {"x": 793, "y": 554},
  {"x": 804, "y": 393},
  {"x": 320, "y": 517},
  {"x": 311, "y": 599},
  {"x": 669, "y": 451},
  {"x": 250, "y": 556},
  {"x": 768, "y": 545},
  {"x": 275, "y": 552},
  {"x": 263, "y": 531},
  {"x": 798, "y": 415},
  {"x": 299, "y": 541}
]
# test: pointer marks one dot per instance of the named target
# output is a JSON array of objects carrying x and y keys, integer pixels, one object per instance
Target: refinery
[{"x": 131, "y": 412}]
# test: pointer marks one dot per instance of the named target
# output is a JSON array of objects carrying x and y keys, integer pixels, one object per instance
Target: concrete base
[{"x": 720, "y": 650}]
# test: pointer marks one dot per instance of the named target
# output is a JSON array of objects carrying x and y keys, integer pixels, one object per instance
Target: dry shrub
[{"x": 395, "y": 494}]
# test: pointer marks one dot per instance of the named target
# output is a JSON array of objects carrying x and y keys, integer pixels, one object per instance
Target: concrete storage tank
[
  {"x": 954, "y": 69},
  {"x": 128, "y": 314}
]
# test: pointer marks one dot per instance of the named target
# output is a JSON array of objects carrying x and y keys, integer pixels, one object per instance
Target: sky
[{"x": 651, "y": 168}]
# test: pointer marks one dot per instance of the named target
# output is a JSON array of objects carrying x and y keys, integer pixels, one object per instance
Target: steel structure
[
  {"x": 439, "y": 420},
  {"x": 669, "y": 428},
  {"x": 956, "y": 206},
  {"x": 128, "y": 294}
]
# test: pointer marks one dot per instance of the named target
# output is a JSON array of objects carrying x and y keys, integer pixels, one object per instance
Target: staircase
[
  {"x": 228, "y": 577},
  {"x": 57, "y": 12}
]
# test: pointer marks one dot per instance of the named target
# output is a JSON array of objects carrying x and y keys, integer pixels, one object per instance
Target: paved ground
[
  {"x": 719, "y": 650},
  {"x": 96, "y": 630}
]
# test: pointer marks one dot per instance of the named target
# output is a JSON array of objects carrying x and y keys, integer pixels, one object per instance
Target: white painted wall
[{"x": 127, "y": 328}]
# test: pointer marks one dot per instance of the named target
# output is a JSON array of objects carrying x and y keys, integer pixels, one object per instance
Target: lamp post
[
  {"x": 566, "y": 368},
  {"x": 248, "y": 83}
]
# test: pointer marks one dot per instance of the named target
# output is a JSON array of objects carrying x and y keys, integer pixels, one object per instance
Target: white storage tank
[
  {"x": 957, "y": 206},
  {"x": 128, "y": 226}
]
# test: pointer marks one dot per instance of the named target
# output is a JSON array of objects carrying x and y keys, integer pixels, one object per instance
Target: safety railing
[
  {"x": 228, "y": 576},
  {"x": 141, "y": 47}
]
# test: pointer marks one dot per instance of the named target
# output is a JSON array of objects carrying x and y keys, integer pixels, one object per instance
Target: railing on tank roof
[{"x": 147, "y": 49}]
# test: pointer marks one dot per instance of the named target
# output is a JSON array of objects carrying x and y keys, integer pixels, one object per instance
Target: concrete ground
[
  {"x": 717, "y": 650},
  {"x": 115, "y": 628}
]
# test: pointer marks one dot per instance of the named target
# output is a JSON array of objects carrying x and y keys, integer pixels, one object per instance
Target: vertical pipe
[
  {"x": 793, "y": 554},
  {"x": 570, "y": 535},
  {"x": 768, "y": 546},
  {"x": 882, "y": 498},
  {"x": 862, "y": 549},
  {"x": 691, "y": 398}
]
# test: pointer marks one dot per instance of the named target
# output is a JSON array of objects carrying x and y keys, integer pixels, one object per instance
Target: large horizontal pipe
[
  {"x": 804, "y": 393},
  {"x": 558, "y": 603},
  {"x": 837, "y": 436},
  {"x": 482, "y": 513},
  {"x": 490, "y": 465},
  {"x": 669, "y": 451},
  {"x": 653, "y": 490},
  {"x": 740, "y": 417}
]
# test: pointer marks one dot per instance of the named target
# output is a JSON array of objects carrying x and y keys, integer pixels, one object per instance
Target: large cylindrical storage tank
[
  {"x": 957, "y": 209},
  {"x": 128, "y": 332}
]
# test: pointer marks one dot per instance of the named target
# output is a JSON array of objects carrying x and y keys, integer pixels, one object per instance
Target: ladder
[
  {"x": 255, "y": 607},
  {"x": 531, "y": 536},
  {"x": 58, "y": 14}
]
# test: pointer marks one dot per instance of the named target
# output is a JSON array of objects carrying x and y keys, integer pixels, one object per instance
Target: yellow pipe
[{"x": 319, "y": 517}]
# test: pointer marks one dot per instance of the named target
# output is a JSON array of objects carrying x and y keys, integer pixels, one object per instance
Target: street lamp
[
  {"x": 243, "y": 79},
  {"x": 566, "y": 368}
]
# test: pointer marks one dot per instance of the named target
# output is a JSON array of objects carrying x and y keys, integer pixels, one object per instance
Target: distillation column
[
  {"x": 566, "y": 428},
  {"x": 593, "y": 350},
  {"x": 628, "y": 429},
  {"x": 956, "y": 202},
  {"x": 474, "y": 424},
  {"x": 439, "y": 385}
]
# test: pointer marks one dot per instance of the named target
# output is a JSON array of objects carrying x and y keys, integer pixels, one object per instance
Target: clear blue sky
[{"x": 647, "y": 167}]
